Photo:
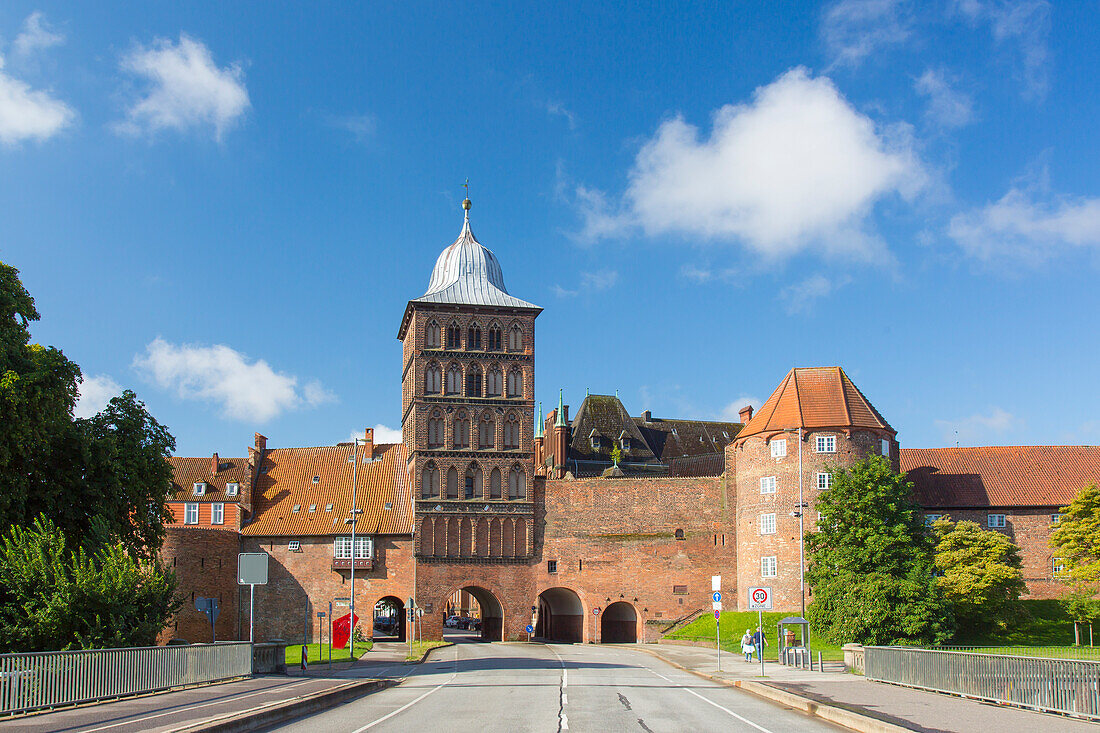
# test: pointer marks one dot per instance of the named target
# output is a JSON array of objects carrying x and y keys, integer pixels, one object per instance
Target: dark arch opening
[
  {"x": 619, "y": 624},
  {"x": 490, "y": 613},
  {"x": 561, "y": 616},
  {"x": 389, "y": 619}
]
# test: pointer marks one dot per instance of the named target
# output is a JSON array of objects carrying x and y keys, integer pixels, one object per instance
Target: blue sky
[{"x": 225, "y": 207}]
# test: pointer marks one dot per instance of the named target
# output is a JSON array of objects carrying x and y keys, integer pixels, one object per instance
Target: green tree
[
  {"x": 870, "y": 562},
  {"x": 55, "y": 596},
  {"x": 1076, "y": 540},
  {"x": 616, "y": 454},
  {"x": 980, "y": 573}
]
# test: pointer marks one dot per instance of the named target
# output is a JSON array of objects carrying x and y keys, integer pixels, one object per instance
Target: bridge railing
[
  {"x": 53, "y": 679},
  {"x": 1049, "y": 685}
]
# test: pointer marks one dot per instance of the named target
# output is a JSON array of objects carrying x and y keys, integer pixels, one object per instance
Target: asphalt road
[{"x": 535, "y": 687}]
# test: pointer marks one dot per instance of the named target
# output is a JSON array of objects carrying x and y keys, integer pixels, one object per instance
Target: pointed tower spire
[
  {"x": 538, "y": 423},
  {"x": 560, "y": 422},
  {"x": 466, "y": 204}
]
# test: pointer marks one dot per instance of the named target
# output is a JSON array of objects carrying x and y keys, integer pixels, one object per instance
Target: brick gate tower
[{"x": 467, "y": 394}]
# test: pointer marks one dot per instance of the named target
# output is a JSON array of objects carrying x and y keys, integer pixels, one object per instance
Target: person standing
[
  {"x": 747, "y": 647},
  {"x": 760, "y": 641}
]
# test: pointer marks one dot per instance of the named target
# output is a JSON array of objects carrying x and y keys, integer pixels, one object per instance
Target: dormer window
[
  {"x": 199, "y": 488},
  {"x": 316, "y": 479},
  {"x": 232, "y": 489},
  {"x": 594, "y": 440},
  {"x": 625, "y": 442},
  {"x": 296, "y": 508},
  {"x": 312, "y": 507},
  {"x": 328, "y": 507}
]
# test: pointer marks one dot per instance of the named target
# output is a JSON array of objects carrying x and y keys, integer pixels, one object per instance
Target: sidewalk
[{"x": 911, "y": 709}]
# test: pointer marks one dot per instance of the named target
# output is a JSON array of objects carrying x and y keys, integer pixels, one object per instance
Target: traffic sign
[
  {"x": 252, "y": 568},
  {"x": 760, "y": 599},
  {"x": 530, "y": 629},
  {"x": 595, "y": 612},
  {"x": 716, "y": 582},
  {"x": 717, "y": 614},
  {"x": 209, "y": 606},
  {"x": 717, "y": 596}
]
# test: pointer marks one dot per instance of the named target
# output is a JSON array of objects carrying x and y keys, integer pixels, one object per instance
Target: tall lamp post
[
  {"x": 801, "y": 514},
  {"x": 353, "y": 520}
]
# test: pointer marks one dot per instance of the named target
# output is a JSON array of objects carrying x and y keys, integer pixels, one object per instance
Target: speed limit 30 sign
[{"x": 760, "y": 599}]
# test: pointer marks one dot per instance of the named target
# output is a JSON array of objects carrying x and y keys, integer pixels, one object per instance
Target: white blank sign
[{"x": 252, "y": 568}]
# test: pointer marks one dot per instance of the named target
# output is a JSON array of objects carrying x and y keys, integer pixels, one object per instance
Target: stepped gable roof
[
  {"x": 1000, "y": 476},
  {"x": 286, "y": 480},
  {"x": 672, "y": 439},
  {"x": 188, "y": 471},
  {"x": 815, "y": 397},
  {"x": 605, "y": 416}
]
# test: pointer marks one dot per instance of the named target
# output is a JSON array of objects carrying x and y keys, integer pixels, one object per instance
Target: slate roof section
[
  {"x": 286, "y": 480},
  {"x": 1000, "y": 476},
  {"x": 672, "y": 439},
  {"x": 814, "y": 398},
  {"x": 187, "y": 471},
  {"x": 605, "y": 416}
]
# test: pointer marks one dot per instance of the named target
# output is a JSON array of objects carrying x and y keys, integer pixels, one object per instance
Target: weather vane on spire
[{"x": 466, "y": 201}]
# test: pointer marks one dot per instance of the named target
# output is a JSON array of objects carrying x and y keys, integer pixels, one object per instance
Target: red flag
[{"x": 341, "y": 630}]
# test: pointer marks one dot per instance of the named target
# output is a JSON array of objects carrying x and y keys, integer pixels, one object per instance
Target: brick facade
[{"x": 204, "y": 560}]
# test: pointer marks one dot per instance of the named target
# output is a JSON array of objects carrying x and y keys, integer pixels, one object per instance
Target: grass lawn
[
  {"x": 318, "y": 653},
  {"x": 733, "y": 628},
  {"x": 1044, "y": 623},
  {"x": 419, "y": 647}
]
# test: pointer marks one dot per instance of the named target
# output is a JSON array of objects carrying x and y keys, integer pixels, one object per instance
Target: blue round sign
[
  {"x": 530, "y": 629},
  {"x": 717, "y": 596}
]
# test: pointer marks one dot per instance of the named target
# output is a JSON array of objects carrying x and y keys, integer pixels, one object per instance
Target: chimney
[
  {"x": 647, "y": 416},
  {"x": 215, "y": 464},
  {"x": 261, "y": 442},
  {"x": 368, "y": 444},
  {"x": 745, "y": 413}
]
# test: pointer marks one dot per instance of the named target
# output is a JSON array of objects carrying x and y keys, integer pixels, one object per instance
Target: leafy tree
[
  {"x": 55, "y": 596},
  {"x": 870, "y": 562},
  {"x": 980, "y": 573},
  {"x": 1076, "y": 539},
  {"x": 616, "y": 454}
]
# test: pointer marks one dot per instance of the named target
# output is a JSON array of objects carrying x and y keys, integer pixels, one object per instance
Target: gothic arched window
[
  {"x": 431, "y": 335},
  {"x": 429, "y": 482},
  {"x": 473, "y": 338},
  {"x": 511, "y": 432},
  {"x": 433, "y": 379},
  {"x": 454, "y": 336},
  {"x": 452, "y": 483},
  {"x": 435, "y": 430},
  {"x": 517, "y": 483},
  {"x": 462, "y": 430},
  {"x": 472, "y": 488},
  {"x": 487, "y": 431},
  {"x": 454, "y": 379},
  {"x": 515, "y": 338},
  {"x": 496, "y": 338},
  {"x": 493, "y": 382},
  {"x": 494, "y": 484},
  {"x": 473, "y": 381},
  {"x": 515, "y": 383}
]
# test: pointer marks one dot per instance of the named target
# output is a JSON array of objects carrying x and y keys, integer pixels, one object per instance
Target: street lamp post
[
  {"x": 353, "y": 520},
  {"x": 801, "y": 514}
]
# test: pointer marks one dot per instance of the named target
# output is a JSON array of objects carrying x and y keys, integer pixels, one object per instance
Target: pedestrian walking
[
  {"x": 760, "y": 641},
  {"x": 747, "y": 647}
]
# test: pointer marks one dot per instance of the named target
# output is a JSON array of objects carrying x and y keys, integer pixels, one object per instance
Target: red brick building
[{"x": 530, "y": 518}]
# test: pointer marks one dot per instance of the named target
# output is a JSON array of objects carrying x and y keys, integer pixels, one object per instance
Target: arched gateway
[
  {"x": 619, "y": 624},
  {"x": 560, "y": 616}
]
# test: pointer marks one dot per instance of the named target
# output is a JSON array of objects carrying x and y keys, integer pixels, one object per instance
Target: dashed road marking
[
  {"x": 710, "y": 702},
  {"x": 408, "y": 705}
]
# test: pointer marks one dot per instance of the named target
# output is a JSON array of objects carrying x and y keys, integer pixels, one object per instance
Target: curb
[
  {"x": 264, "y": 716},
  {"x": 424, "y": 656},
  {"x": 841, "y": 716}
]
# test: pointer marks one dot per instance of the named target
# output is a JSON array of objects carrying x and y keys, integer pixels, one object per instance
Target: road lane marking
[
  {"x": 563, "y": 719},
  {"x": 406, "y": 706},
  {"x": 709, "y": 702},
  {"x": 273, "y": 688}
]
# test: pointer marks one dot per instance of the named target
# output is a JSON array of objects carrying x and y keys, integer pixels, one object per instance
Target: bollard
[
  {"x": 305, "y": 656},
  {"x": 820, "y": 666}
]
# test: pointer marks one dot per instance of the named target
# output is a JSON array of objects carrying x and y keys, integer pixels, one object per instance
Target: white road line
[
  {"x": 710, "y": 702},
  {"x": 406, "y": 706},
  {"x": 274, "y": 688},
  {"x": 562, "y": 717}
]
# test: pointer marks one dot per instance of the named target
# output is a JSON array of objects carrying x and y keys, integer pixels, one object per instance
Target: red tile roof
[
  {"x": 288, "y": 482},
  {"x": 186, "y": 472},
  {"x": 815, "y": 397},
  {"x": 1025, "y": 476}
]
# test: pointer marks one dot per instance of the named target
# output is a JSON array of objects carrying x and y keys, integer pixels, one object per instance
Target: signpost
[
  {"x": 760, "y": 600},
  {"x": 716, "y": 602},
  {"x": 251, "y": 571},
  {"x": 209, "y": 606}
]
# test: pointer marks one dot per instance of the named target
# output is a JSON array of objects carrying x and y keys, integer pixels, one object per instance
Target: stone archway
[
  {"x": 389, "y": 619},
  {"x": 491, "y": 612},
  {"x": 561, "y": 616},
  {"x": 619, "y": 624}
]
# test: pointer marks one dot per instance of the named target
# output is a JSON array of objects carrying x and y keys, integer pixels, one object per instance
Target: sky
[{"x": 226, "y": 206}]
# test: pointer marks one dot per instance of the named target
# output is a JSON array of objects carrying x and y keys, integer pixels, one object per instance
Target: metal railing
[
  {"x": 53, "y": 679},
  {"x": 1050, "y": 685},
  {"x": 1086, "y": 653}
]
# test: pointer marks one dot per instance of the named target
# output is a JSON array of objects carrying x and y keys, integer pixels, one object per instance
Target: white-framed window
[
  {"x": 294, "y": 546},
  {"x": 328, "y": 507},
  {"x": 930, "y": 518},
  {"x": 217, "y": 513},
  {"x": 364, "y": 547},
  {"x": 779, "y": 448},
  {"x": 768, "y": 567},
  {"x": 885, "y": 447},
  {"x": 824, "y": 481},
  {"x": 767, "y": 524},
  {"x": 232, "y": 489},
  {"x": 1055, "y": 518},
  {"x": 1058, "y": 567},
  {"x": 198, "y": 488},
  {"x": 296, "y": 508},
  {"x": 826, "y": 444},
  {"x": 767, "y": 484},
  {"x": 995, "y": 521},
  {"x": 190, "y": 513}
]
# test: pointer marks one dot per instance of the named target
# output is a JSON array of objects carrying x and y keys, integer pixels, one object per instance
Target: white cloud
[
  {"x": 601, "y": 280},
  {"x": 800, "y": 296},
  {"x": 854, "y": 29},
  {"x": 559, "y": 109},
  {"x": 185, "y": 89},
  {"x": 1024, "y": 24},
  {"x": 94, "y": 393},
  {"x": 731, "y": 411},
  {"x": 218, "y": 374},
  {"x": 978, "y": 428},
  {"x": 35, "y": 36},
  {"x": 382, "y": 434},
  {"x": 1021, "y": 227},
  {"x": 947, "y": 106},
  {"x": 798, "y": 167},
  {"x": 27, "y": 113},
  {"x": 361, "y": 127},
  {"x": 564, "y": 292}
]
